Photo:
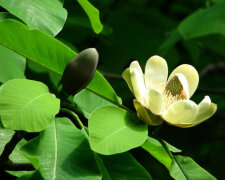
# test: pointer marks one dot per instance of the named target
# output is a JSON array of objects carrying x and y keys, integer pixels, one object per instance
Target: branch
[
  {"x": 213, "y": 91},
  {"x": 10, "y": 146},
  {"x": 9, "y": 165},
  {"x": 6, "y": 163},
  {"x": 208, "y": 90},
  {"x": 112, "y": 76},
  {"x": 212, "y": 68}
]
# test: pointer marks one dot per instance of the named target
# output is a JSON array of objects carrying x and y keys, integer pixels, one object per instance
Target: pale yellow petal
[
  {"x": 156, "y": 71},
  {"x": 180, "y": 112},
  {"x": 184, "y": 83},
  {"x": 137, "y": 79},
  {"x": 146, "y": 116},
  {"x": 155, "y": 101},
  {"x": 191, "y": 75},
  {"x": 127, "y": 77},
  {"x": 205, "y": 110}
]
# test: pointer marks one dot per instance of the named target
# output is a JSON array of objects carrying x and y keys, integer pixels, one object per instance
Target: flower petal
[
  {"x": 146, "y": 116},
  {"x": 155, "y": 101},
  {"x": 205, "y": 110},
  {"x": 137, "y": 79},
  {"x": 180, "y": 112},
  {"x": 191, "y": 75},
  {"x": 127, "y": 77},
  {"x": 156, "y": 71}
]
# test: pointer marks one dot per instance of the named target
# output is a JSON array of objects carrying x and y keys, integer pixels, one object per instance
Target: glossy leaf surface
[
  {"x": 27, "y": 105},
  {"x": 62, "y": 152},
  {"x": 114, "y": 130},
  {"x": 12, "y": 65},
  {"x": 48, "y": 16},
  {"x": 122, "y": 167}
]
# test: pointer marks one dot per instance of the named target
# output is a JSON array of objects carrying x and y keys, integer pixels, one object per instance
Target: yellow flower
[{"x": 159, "y": 98}]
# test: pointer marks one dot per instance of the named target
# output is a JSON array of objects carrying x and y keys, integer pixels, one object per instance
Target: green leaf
[
  {"x": 16, "y": 157},
  {"x": 12, "y": 65},
  {"x": 27, "y": 105},
  {"x": 180, "y": 167},
  {"x": 155, "y": 148},
  {"x": 32, "y": 176},
  {"x": 62, "y": 152},
  {"x": 87, "y": 102},
  {"x": 204, "y": 22},
  {"x": 184, "y": 168},
  {"x": 6, "y": 15},
  {"x": 122, "y": 167},
  {"x": 5, "y": 136},
  {"x": 34, "y": 45},
  {"x": 48, "y": 16},
  {"x": 93, "y": 15},
  {"x": 100, "y": 85},
  {"x": 114, "y": 130}
]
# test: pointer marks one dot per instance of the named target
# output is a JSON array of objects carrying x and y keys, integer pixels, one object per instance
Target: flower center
[{"x": 174, "y": 91}]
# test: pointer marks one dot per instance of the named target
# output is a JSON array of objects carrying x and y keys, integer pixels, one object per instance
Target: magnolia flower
[{"x": 159, "y": 98}]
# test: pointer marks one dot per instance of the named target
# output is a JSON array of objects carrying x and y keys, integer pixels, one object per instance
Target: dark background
[{"x": 138, "y": 29}]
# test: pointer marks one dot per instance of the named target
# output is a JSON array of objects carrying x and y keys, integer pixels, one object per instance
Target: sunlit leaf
[
  {"x": 114, "y": 130},
  {"x": 35, "y": 45},
  {"x": 48, "y": 16},
  {"x": 47, "y": 53},
  {"x": 12, "y": 65},
  {"x": 62, "y": 152},
  {"x": 184, "y": 168},
  {"x": 16, "y": 157},
  {"x": 93, "y": 15},
  {"x": 100, "y": 85},
  {"x": 27, "y": 105},
  {"x": 155, "y": 148},
  {"x": 5, "y": 136},
  {"x": 87, "y": 102}
]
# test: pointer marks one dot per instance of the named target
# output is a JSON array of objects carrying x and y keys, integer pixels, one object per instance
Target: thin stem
[{"x": 74, "y": 115}]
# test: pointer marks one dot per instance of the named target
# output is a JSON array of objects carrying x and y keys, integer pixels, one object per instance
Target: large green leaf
[
  {"x": 16, "y": 157},
  {"x": 155, "y": 148},
  {"x": 62, "y": 152},
  {"x": 48, "y": 53},
  {"x": 48, "y": 16},
  {"x": 204, "y": 22},
  {"x": 100, "y": 85},
  {"x": 35, "y": 45},
  {"x": 184, "y": 168},
  {"x": 87, "y": 102},
  {"x": 114, "y": 130},
  {"x": 93, "y": 15},
  {"x": 180, "y": 167},
  {"x": 122, "y": 167},
  {"x": 27, "y": 105},
  {"x": 12, "y": 65}
]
